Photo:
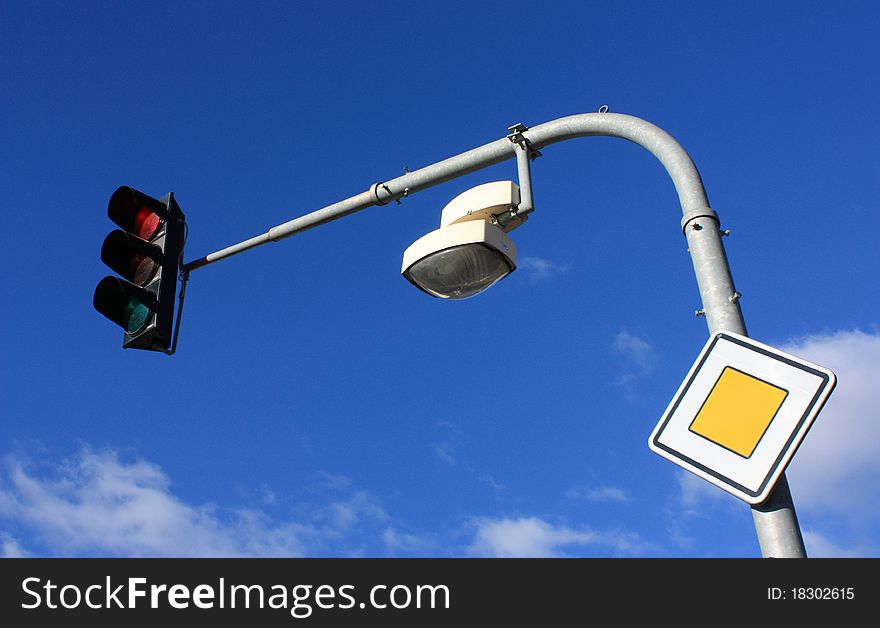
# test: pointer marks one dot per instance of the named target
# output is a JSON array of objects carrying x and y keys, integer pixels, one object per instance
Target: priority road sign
[{"x": 741, "y": 413}]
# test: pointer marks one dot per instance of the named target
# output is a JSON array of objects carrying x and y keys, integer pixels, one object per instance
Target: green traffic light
[
  {"x": 135, "y": 314},
  {"x": 127, "y": 305}
]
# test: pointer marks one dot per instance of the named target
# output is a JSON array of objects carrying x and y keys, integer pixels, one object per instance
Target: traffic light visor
[
  {"x": 123, "y": 303},
  {"x": 131, "y": 257},
  {"x": 136, "y": 212}
]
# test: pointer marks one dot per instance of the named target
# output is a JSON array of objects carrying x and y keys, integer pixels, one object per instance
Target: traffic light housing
[{"x": 146, "y": 252}]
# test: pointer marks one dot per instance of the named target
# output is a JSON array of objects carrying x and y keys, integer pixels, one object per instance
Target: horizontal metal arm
[{"x": 676, "y": 161}]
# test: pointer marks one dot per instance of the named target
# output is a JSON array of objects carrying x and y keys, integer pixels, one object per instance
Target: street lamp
[
  {"x": 775, "y": 520},
  {"x": 471, "y": 250}
]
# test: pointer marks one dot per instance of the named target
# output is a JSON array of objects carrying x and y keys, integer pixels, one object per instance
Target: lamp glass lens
[{"x": 460, "y": 271}]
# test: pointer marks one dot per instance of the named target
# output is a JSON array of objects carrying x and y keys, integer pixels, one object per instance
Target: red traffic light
[{"x": 136, "y": 213}]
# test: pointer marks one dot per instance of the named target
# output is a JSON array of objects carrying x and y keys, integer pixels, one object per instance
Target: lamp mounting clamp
[{"x": 516, "y": 137}]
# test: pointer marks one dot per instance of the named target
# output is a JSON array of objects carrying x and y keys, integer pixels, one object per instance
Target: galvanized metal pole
[{"x": 775, "y": 521}]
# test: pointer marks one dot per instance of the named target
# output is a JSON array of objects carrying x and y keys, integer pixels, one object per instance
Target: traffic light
[{"x": 146, "y": 252}]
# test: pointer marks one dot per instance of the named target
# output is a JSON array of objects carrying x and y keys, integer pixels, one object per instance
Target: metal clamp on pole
[
  {"x": 701, "y": 212},
  {"x": 524, "y": 155},
  {"x": 374, "y": 190}
]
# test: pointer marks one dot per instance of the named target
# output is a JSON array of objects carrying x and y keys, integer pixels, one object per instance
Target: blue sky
[{"x": 319, "y": 405}]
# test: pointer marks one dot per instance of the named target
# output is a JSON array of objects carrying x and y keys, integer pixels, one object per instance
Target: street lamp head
[
  {"x": 470, "y": 251},
  {"x": 459, "y": 260}
]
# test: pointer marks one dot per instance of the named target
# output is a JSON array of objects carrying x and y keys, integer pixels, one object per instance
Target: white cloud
[
  {"x": 838, "y": 467},
  {"x": 10, "y": 548},
  {"x": 489, "y": 480},
  {"x": 598, "y": 494},
  {"x": 97, "y": 505},
  {"x": 696, "y": 503},
  {"x": 443, "y": 451},
  {"x": 347, "y": 513},
  {"x": 636, "y": 350},
  {"x": 695, "y": 492},
  {"x": 328, "y": 482},
  {"x": 398, "y": 542},
  {"x": 820, "y": 546},
  {"x": 267, "y": 495},
  {"x": 532, "y": 537},
  {"x": 446, "y": 451},
  {"x": 540, "y": 269}
]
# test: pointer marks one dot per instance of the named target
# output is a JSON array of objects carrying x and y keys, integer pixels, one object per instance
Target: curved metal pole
[{"x": 775, "y": 521}]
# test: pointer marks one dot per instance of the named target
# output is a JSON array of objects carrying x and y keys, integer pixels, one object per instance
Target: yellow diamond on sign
[{"x": 738, "y": 411}]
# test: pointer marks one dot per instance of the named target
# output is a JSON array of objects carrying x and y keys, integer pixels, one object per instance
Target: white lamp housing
[{"x": 468, "y": 253}]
